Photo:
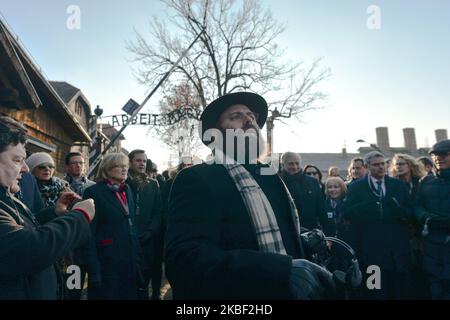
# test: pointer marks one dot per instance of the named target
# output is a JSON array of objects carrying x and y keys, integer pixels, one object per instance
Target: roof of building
[
  {"x": 40, "y": 90},
  {"x": 65, "y": 90},
  {"x": 110, "y": 131}
]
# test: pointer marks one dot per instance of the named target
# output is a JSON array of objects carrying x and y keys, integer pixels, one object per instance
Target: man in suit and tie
[{"x": 378, "y": 207}]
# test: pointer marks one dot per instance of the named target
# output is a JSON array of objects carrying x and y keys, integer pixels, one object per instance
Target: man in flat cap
[
  {"x": 433, "y": 210},
  {"x": 233, "y": 230}
]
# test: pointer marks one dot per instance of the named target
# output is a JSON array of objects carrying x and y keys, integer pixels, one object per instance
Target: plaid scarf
[{"x": 261, "y": 213}]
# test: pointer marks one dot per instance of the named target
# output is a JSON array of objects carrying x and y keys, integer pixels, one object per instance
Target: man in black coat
[
  {"x": 432, "y": 209},
  {"x": 308, "y": 196},
  {"x": 147, "y": 197},
  {"x": 217, "y": 243},
  {"x": 31, "y": 244},
  {"x": 378, "y": 208}
]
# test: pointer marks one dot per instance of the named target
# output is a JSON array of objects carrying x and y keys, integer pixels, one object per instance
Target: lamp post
[{"x": 372, "y": 145}]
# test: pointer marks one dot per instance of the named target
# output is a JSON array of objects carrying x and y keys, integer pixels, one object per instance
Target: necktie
[{"x": 379, "y": 188}]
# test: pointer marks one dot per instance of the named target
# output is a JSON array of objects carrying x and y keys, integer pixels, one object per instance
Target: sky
[{"x": 397, "y": 75}]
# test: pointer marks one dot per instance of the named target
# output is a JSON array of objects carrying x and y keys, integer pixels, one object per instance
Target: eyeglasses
[
  {"x": 44, "y": 167},
  {"x": 124, "y": 166},
  {"x": 311, "y": 173},
  {"x": 77, "y": 162},
  {"x": 241, "y": 115}
]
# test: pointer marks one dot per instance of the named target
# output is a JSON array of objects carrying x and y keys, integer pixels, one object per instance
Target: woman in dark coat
[
  {"x": 409, "y": 170},
  {"x": 114, "y": 250},
  {"x": 313, "y": 171},
  {"x": 335, "y": 225}
]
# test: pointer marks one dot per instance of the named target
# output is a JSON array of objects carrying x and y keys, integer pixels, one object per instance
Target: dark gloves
[
  {"x": 315, "y": 246},
  {"x": 310, "y": 281},
  {"x": 352, "y": 278}
]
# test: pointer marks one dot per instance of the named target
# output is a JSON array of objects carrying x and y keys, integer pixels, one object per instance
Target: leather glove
[
  {"x": 316, "y": 247},
  {"x": 309, "y": 281},
  {"x": 352, "y": 278}
]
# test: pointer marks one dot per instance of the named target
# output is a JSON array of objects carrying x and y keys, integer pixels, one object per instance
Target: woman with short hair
[
  {"x": 112, "y": 258},
  {"x": 32, "y": 242}
]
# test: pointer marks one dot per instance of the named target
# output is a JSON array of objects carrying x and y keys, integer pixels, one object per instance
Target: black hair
[
  {"x": 70, "y": 155},
  {"x": 133, "y": 153},
  {"x": 149, "y": 167},
  {"x": 12, "y": 132},
  {"x": 317, "y": 169},
  {"x": 426, "y": 161}
]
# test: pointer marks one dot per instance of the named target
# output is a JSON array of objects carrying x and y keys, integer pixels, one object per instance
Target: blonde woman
[
  {"x": 335, "y": 190},
  {"x": 407, "y": 169},
  {"x": 114, "y": 250}
]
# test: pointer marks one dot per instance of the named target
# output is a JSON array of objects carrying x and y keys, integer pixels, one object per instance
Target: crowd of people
[{"x": 225, "y": 229}]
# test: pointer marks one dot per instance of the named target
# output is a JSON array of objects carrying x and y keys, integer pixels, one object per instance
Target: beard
[{"x": 245, "y": 146}]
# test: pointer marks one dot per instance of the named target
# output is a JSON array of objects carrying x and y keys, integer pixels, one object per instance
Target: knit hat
[{"x": 37, "y": 159}]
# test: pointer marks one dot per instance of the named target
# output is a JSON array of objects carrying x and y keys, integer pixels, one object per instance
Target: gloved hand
[
  {"x": 87, "y": 207},
  {"x": 310, "y": 281},
  {"x": 315, "y": 245}
]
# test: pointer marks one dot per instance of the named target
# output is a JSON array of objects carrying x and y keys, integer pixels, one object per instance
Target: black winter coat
[
  {"x": 31, "y": 246},
  {"x": 433, "y": 196},
  {"x": 308, "y": 197},
  {"x": 211, "y": 246},
  {"x": 114, "y": 252},
  {"x": 148, "y": 219},
  {"x": 380, "y": 227}
]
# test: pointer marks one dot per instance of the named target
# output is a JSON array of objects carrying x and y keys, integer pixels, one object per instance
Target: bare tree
[
  {"x": 180, "y": 136},
  {"x": 237, "y": 52}
]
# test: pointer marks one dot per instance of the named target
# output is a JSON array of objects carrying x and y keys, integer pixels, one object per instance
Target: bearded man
[{"x": 233, "y": 230}]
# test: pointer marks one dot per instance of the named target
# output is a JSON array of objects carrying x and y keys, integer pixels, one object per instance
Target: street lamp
[{"x": 372, "y": 145}]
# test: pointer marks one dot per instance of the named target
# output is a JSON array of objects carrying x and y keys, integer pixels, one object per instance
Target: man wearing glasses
[
  {"x": 232, "y": 229},
  {"x": 433, "y": 210},
  {"x": 75, "y": 173},
  {"x": 378, "y": 208}
]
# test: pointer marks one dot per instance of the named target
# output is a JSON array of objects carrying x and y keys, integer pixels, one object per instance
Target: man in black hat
[
  {"x": 233, "y": 231},
  {"x": 433, "y": 210}
]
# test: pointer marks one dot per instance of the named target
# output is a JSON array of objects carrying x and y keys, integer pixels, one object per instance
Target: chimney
[
  {"x": 383, "y": 139},
  {"x": 344, "y": 152},
  {"x": 410, "y": 139},
  {"x": 441, "y": 134}
]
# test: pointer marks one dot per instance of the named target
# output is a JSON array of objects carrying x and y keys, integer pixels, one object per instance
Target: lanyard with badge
[{"x": 378, "y": 192}]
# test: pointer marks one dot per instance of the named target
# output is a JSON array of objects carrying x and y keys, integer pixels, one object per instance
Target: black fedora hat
[{"x": 253, "y": 101}]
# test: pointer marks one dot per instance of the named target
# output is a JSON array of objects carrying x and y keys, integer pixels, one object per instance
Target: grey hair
[
  {"x": 371, "y": 155},
  {"x": 289, "y": 154}
]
